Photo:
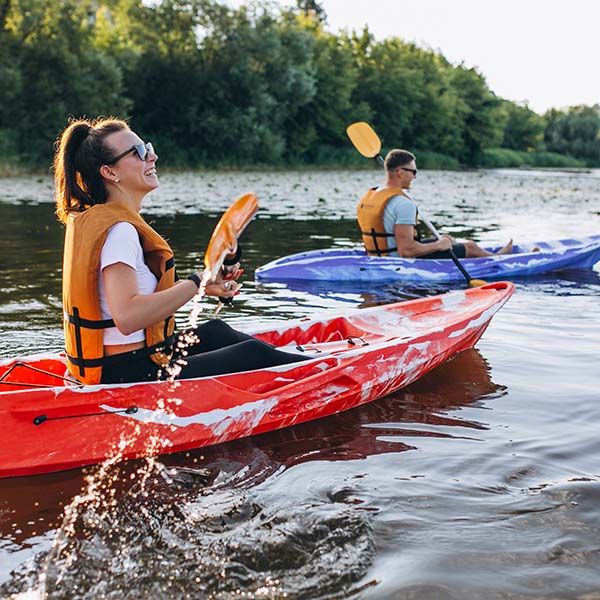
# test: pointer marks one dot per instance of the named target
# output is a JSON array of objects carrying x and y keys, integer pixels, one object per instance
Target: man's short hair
[{"x": 398, "y": 158}]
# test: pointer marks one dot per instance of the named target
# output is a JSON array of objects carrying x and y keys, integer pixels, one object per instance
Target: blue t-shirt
[{"x": 400, "y": 210}]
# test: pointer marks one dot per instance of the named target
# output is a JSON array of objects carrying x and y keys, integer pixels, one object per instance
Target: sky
[{"x": 541, "y": 52}]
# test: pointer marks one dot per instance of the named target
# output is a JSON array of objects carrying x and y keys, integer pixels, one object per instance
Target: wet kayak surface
[{"x": 480, "y": 480}]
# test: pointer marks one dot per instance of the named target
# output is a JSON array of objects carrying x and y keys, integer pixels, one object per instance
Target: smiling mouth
[{"x": 151, "y": 171}]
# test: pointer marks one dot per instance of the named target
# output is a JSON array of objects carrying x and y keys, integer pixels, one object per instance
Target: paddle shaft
[{"x": 453, "y": 256}]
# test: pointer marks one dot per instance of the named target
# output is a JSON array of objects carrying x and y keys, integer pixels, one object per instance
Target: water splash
[
  {"x": 147, "y": 530},
  {"x": 196, "y": 306}
]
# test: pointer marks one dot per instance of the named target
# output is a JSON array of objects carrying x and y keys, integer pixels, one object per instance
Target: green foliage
[
  {"x": 552, "y": 159},
  {"x": 53, "y": 71},
  {"x": 483, "y": 121},
  {"x": 501, "y": 158},
  {"x": 9, "y": 152},
  {"x": 575, "y": 131},
  {"x": 212, "y": 85},
  {"x": 312, "y": 10},
  {"x": 323, "y": 120},
  {"x": 506, "y": 158},
  {"x": 524, "y": 128},
  {"x": 426, "y": 159}
]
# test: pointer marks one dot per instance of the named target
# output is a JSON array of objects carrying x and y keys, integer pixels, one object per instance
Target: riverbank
[{"x": 347, "y": 158}]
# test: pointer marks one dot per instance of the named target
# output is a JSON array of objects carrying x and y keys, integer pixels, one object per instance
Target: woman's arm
[{"x": 132, "y": 311}]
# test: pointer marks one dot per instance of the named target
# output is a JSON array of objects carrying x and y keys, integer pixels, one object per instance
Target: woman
[{"x": 119, "y": 288}]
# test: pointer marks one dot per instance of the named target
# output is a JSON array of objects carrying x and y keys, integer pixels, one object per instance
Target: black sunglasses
[
  {"x": 413, "y": 171},
  {"x": 142, "y": 151}
]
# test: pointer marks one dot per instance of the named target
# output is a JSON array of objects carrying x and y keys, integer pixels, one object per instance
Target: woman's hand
[
  {"x": 225, "y": 284},
  {"x": 222, "y": 289},
  {"x": 231, "y": 272}
]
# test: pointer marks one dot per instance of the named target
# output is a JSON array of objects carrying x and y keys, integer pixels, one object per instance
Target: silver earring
[{"x": 117, "y": 180}]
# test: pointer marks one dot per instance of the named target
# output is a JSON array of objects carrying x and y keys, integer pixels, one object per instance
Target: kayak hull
[
  {"x": 341, "y": 264},
  {"x": 355, "y": 358}
]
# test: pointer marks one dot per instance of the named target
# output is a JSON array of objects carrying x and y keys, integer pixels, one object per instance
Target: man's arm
[{"x": 408, "y": 247}]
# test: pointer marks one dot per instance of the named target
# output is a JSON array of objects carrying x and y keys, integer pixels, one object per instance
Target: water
[{"x": 479, "y": 481}]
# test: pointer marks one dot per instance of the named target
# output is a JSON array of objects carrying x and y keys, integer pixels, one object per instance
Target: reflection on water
[{"x": 478, "y": 481}]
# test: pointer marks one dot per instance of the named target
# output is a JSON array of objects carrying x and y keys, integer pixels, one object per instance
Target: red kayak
[{"x": 49, "y": 424}]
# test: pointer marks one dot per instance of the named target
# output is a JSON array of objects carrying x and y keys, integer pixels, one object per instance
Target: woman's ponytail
[{"x": 80, "y": 153}]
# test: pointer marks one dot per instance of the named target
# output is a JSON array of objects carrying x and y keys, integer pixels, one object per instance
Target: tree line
[{"x": 212, "y": 86}]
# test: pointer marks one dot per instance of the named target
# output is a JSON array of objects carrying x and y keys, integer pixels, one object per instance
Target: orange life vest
[
  {"x": 83, "y": 324},
  {"x": 370, "y": 220}
]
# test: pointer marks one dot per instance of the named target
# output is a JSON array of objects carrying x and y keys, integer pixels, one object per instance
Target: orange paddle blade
[
  {"x": 365, "y": 140},
  {"x": 225, "y": 236}
]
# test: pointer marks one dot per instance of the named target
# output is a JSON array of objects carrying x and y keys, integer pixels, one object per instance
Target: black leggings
[{"x": 213, "y": 348}]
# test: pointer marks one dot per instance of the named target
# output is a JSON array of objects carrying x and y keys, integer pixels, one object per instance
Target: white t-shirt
[
  {"x": 400, "y": 210},
  {"x": 122, "y": 245}
]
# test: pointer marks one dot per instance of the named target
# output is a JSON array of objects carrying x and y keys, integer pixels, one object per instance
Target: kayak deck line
[
  {"x": 390, "y": 346},
  {"x": 43, "y": 418},
  {"x": 24, "y": 365}
]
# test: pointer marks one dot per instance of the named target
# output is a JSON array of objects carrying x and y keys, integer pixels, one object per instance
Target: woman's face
[{"x": 130, "y": 171}]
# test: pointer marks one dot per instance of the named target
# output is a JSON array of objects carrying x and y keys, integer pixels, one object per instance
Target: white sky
[{"x": 544, "y": 52}]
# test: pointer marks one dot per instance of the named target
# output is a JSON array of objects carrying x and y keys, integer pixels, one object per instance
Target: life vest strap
[
  {"x": 103, "y": 361},
  {"x": 375, "y": 234},
  {"x": 113, "y": 359},
  {"x": 377, "y": 250},
  {"x": 76, "y": 320}
]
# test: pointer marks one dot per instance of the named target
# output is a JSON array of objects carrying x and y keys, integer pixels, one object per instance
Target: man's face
[{"x": 406, "y": 173}]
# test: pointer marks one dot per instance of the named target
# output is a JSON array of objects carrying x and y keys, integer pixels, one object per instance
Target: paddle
[
  {"x": 224, "y": 239},
  {"x": 367, "y": 142}
]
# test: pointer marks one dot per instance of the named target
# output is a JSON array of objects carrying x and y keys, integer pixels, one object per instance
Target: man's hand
[{"x": 445, "y": 242}]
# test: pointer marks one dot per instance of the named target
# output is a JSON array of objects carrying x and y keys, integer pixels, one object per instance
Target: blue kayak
[{"x": 344, "y": 264}]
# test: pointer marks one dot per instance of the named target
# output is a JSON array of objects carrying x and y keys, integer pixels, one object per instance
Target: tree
[
  {"x": 313, "y": 10},
  {"x": 575, "y": 132},
  {"x": 524, "y": 129},
  {"x": 4, "y": 8},
  {"x": 410, "y": 92},
  {"x": 483, "y": 121},
  {"x": 324, "y": 118},
  {"x": 52, "y": 70}
]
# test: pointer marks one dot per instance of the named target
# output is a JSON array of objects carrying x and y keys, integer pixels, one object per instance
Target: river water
[{"x": 479, "y": 481}]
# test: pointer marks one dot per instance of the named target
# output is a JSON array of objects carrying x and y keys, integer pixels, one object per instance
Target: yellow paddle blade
[
  {"x": 365, "y": 140},
  {"x": 476, "y": 282},
  {"x": 225, "y": 236}
]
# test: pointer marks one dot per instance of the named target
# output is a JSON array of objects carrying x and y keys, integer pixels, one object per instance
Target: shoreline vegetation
[
  {"x": 496, "y": 158},
  {"x": 260, "y": 86}
]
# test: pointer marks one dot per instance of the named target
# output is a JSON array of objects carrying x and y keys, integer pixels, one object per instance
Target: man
[{"x": 388, "y": 218}]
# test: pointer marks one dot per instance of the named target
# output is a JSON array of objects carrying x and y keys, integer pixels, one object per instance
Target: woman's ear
[{"x": 108, "y": 174}]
